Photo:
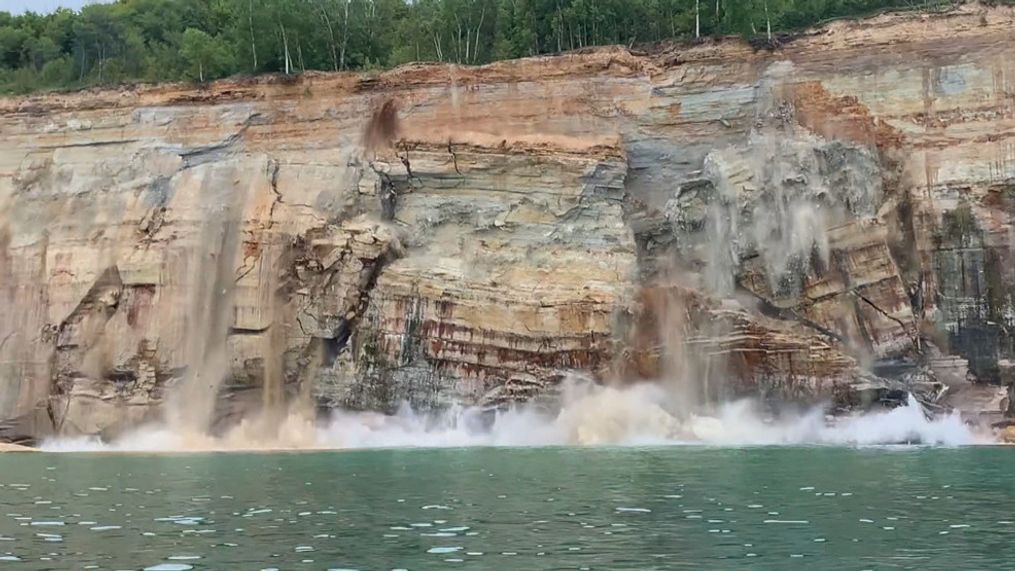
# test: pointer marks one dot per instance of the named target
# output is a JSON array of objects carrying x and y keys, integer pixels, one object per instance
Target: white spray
[{"x": 591, "y": 415}]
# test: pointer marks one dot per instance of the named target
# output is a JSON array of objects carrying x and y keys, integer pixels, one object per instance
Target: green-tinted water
[{"x": 550, "y": 508}]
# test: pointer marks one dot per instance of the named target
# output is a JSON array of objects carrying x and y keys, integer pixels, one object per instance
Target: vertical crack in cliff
[
  {"x": 387, "y": 195},
  {"x": 348, "y": 326},
  {"x": 454, "y": 156},
  {"x": 273, "y": 169},
  {"x": 405, "y": 162},
  {"x": 907, "y": 330}
]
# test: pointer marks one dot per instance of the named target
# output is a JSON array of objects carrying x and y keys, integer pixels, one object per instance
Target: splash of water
[{"x": 591, "y": 415}]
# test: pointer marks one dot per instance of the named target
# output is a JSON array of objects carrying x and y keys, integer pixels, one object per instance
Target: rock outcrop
[{"x": 799, "y": 222}]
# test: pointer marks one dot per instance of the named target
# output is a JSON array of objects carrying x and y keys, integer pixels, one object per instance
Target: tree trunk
[
  {"x": 370, "y": 26},
  {"x": 697, "y": 18},
  {"x": 99, "y": 49},
  {"x": 200, "y": 71},
  {"x": 285, "y": 50},
  {"x": 345, "y": 36},
  {"x": 81, "y": 75},
  {"x": 560, "y": 29},
  {"x": 437, "y": 46},
  {"x": 250, "y": 24},
  {"x": 331, "y": 35},
  {"x": 458, "y": 41},
  {"x": 768, "y": 22},
  {"x": 475, "y": 50}
]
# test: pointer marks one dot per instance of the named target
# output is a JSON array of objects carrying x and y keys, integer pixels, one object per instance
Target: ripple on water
[
  {"x": 182, "y": 519},
  {"x": 440, "y": 550},
  {"x": 169, "y": 567}
]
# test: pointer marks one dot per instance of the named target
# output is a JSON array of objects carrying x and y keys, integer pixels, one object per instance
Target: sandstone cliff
[{"x": 800, "y": 222}]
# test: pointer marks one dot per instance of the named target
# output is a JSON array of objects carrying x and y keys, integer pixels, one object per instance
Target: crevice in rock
[
  {"x": 348, "y": 326},
  {"x": 454, "y": 156},
  {"x": 245, "y": 270},
  {"x": 117, "y": 142},
  {"x": 387, "y": 194},
  {"x": 207, "y": 153},
  {"x": 273, "y": 168},
  {"x": 248, "y": 331},
  {"x": 915, "y": 338},
  {"x": 766, "y": 307},
  {"x": 405, "y": 162},
  {"x": 151, "y": 223}
]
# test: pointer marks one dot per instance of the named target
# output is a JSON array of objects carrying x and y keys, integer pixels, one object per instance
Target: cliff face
[{"x": 781, "y": 222}]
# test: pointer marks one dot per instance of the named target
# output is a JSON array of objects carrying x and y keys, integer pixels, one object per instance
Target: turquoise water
[{"x": 536, "y": 508}]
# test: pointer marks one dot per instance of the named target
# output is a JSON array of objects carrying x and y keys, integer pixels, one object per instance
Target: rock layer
[{"x": 439, "y": 234}]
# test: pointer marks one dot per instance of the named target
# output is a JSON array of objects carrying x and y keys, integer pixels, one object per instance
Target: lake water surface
[{"x": 513, "y": 508}]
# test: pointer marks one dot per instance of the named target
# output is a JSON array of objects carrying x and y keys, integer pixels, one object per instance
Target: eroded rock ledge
[{"x": 826, "y": 222}]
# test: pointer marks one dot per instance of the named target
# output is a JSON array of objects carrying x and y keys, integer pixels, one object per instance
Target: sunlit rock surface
[{"x": 821, "y": 209}]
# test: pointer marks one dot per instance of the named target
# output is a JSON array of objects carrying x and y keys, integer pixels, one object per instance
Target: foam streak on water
[{"x": 590, "y": 415}]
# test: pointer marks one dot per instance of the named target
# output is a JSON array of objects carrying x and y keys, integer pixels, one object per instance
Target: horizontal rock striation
[{"x": 793, "y": 222}]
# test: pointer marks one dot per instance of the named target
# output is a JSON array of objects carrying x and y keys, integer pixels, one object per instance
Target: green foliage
[
  {"x": 206, "y": 57},
  {"x": 168, "y": 40}
]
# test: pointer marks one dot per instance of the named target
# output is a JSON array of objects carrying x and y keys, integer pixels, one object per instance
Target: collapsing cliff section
[
  {"x": 517, "y": 260},
  {"x": 838, "y": 203},
  {"x": 792, "y": 218}
]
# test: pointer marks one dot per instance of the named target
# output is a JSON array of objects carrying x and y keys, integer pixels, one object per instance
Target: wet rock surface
[{"x": 784, "y": 223}]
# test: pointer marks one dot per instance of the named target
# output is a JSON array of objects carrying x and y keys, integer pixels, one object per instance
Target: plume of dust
[
  {"x": 689, "y": 372},
  {"x": 8, "y": 321},
  {"x": 383, "y": 127},
  {"x": 212, "y": 287}
]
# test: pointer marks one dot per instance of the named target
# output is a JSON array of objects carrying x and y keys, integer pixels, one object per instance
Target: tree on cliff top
[
  {"x": 206, "y": 56},
  {"x": 165, "y": 40}
]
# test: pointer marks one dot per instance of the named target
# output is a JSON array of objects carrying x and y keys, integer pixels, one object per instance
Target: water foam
[{"x": 590, "y": 415}]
